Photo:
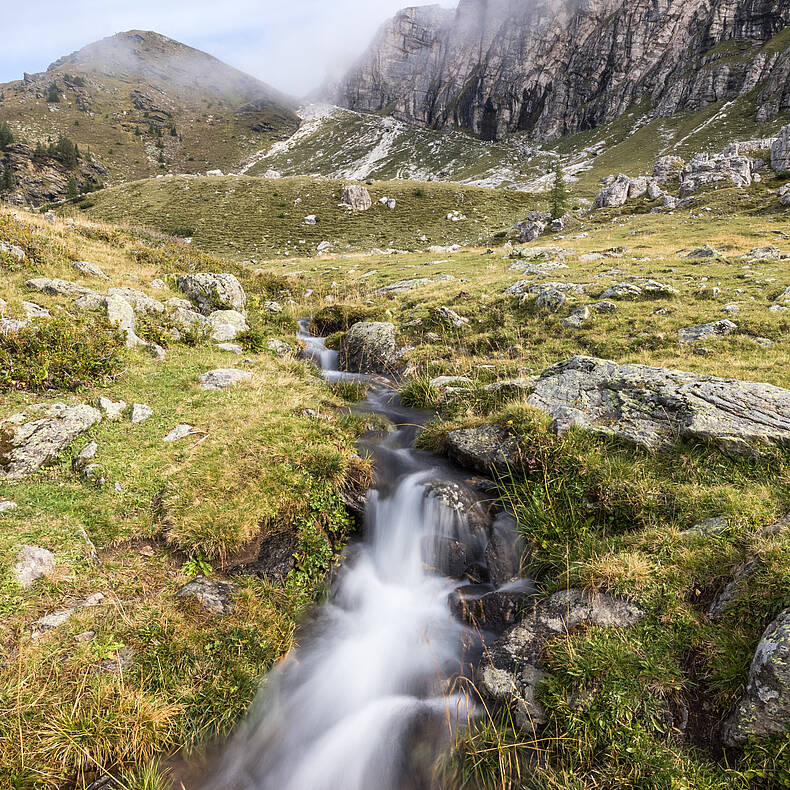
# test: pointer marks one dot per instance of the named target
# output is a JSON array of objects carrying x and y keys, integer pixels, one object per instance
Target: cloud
[{"x": 291, "y": 44}]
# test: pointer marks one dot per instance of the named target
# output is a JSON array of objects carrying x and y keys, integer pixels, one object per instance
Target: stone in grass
[
  {"x": 89, "y": 269},
  {"x": 141, "y": 412},
  {"x": 229, "y": 348},
  {"x": 578, "y": 318},
  {"x": 33, "y": 563},
  {"x": 273, "y": 307},
  {"x": 119, "y": 662},
  {"x": 85, "y": 457},
  {"x": 62, "y": 616},
  {"x": 6, "y": 506},
  {"x": 356, "y": 197},
  {"x": 214, "y": 596},
  {"x": 178, "y": 433},
  {"x": 694, "y": 334},
  {"x": 212, "y": 292},
  {"x": 764, "y": 710},
  {"x": 704, "y": 252},
  {"x": 223, "y": 378},
  {"x": 444, "y": 315},
  {"x": 226, "y": 325},
  {"x": 483, "y": 449},
  {"x": 112, "y": 410},
  {"x": 280, "y": 348}
]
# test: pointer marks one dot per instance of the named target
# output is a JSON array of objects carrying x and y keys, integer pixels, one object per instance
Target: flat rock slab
[
  {"x": 55, "y": 287},
  {"x": 214, "y": 596},
  {"x": 716, "y": 329},
  {"x": 223, "y": 378},
  {"x": 37, "y": 436},
  {"x": 657, "y": 407}
]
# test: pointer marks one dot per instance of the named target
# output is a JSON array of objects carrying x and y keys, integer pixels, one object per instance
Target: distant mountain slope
[
  {"x": 143, "y": 104},
  {"x": 557, "y": 67}
]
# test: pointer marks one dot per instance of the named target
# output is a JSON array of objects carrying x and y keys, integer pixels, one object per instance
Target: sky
[{"x": 291, "y": 44}]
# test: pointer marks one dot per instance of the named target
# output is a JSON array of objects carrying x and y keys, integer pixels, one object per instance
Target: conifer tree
[
  {"x": 72, "y": 190},
  {"x": 6, "y": 136},
  {"x": 7, "y": 182}
]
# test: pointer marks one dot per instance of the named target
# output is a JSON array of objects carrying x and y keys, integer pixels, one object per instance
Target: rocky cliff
[{"x": 556, "y": 67}]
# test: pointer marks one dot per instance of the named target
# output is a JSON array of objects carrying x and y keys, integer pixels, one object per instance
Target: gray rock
[
  {"x": 112, "y": 410},
  {"x": 140, "y": 302},
  {"x": 370, "y": 347},
  {"x": 212, "y": 292},
  {"x": 214, "y": 596},
  {"x": 402, "y": 286},
  {"x": 56, "y": 287},
  {"x": 512, "y": 388},
  {"x": 444, "y": 315},
  {"x": 706, "y": 169},
  {"x": 614, "y": 195},
  {"x": 551, "y": 299},
  {"x": 185, "y": 318},
  {"x": 230, "y": 348},
  {"x": 280, "y": 348},
  {"x": 504, "y": 550},
  {"x": 178, "y": 433},
  {"x": 140, "y": 413},
  {"x": 484, "y": 449},
  {"x": 711, "y": 526},
  {"x": 36, "y": 436},
  {"x": 764, "y": 710},
  {"x": 668, "y": 169},
  {"x": 120, "y": 314},
  {"x": 578, "y": 318},
  {"x": 765, "y": 252},
  {"x": 704, "y": 252},
  {"x": 656, "y": 407},
  {"x": 604, "y": 307},
  {"x": 12, "y": 249},
  {"x": 83, "y": 459},
  {"x": 6, "y": 506},
  {"x": 32, "y": 564},
  {"x": 356, "y": 197},
  {"x": 511, "y": 670},
  {"x": 226, "y": 325},
  {"x": 694, "y": 334},
  {"x": 33, "y": 310},
  {"x": 62, "y": 616},
  {"x": 530, "y": 231},
  {"x": 10, "y": 326},
  {"x": 638, "y": 288},
  {"x": 273, "y": 307},
  {"x": 223, "y": 378},
  {"x": 116, "y": 664},
  {"x": 157, "y": 284},
  {"x": 176, "y": 302},
  {"x": 89, "y": 269},
  {"x": 780, "y": 151}
]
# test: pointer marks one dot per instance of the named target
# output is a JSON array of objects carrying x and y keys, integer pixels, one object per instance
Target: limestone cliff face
[{"x": 555, "y": 67}]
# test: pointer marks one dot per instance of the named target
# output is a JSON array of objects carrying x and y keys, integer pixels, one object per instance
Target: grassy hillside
[
  {"x": 257, "y": 218},
  {"x": 144, "y": 104},
  {"x": 149, "y": 673}
]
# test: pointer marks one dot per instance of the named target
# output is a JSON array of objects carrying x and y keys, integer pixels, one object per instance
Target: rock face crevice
[{"x": 556, "y": 67}]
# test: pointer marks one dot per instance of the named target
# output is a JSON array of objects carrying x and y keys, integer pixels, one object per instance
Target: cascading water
[{"x": 367, "y": 700}]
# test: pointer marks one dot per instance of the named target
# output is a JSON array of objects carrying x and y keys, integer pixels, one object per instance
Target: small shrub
[
  {"x": 352, "y": 391},
  {"x": 418, "y": 393},
  {"x": 252, "y": 341},
  {"x": 59, "y": 354},
  {"x": 341, "y": 317}
]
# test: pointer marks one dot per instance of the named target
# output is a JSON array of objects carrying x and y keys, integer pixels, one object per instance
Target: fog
[{"x": 292, "y": 45}]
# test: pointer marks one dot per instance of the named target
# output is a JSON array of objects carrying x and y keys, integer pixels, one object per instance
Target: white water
[{"x": 365, "y": 702}]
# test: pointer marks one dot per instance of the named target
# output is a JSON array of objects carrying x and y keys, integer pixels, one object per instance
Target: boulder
[
  {"x": 551, "y": 299},
  {"x": 578, "y": 318},
  {"x": 615, "y": 194},
  {"x": 230, "y": 348},
  {"x": 444, "y": 315},
  {"x": 33, "y": 563},
  {"x": 185, "y": 318},
  {"x": 780, "y": 151},
  {"x": 668, "y": 169},
  {"x": 504, "y": 550},
  {"x": 214, "y": 596},
  {"x": 716, "y": 329},
  {"x": 637, "y": 187},
  {"x": 112, "y": 410},
  {"x": 226, "y": 325},
  {"x": 484, "y": 449},
  {"x": 370, "y": 347},
  {"x": 140, "y": 413},
  {"x": 657, "y": 407},
  {"x": 85, "y": 456},
  {"x": 120, "y": 314},
  {"x": 280, "y": 348},
  {"x": 223, "y": 378},
  {"x": 529, "y": 231},
  {"x": 638, "y": 288},
  {"x": 356, "y": 197},
  {"x": 764, "y": 710},
  {"x": 706, "y": 169},
  {"x": 511, "y": 671},
  {"x": 36, "y": 436},
  {"x": 140, "y": 302},
  {"x": 212, "y": 292},
  {"x": 62, "y": 616},
  {"x": 33, "y": 310},
  {"x": 89, "y": 269},
  {"x": 56, "y": 287}
]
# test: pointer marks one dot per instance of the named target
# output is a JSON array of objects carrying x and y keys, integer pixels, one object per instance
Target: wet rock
[
  {"x": 356, "y": 197},
  {"x": 33, "y": 563},
  {"x": 445, "y": 556},
  {"x": 370, "y": 347},
  {"x": 716, "y": 329},
  {"x": 511, "y": 671},
  {"x": 275, "y": 558},
  {"x": 465, "y": 505},
  {"x": 444, "y": 315},
  {"x": 56, "y": 287},
  {"x": 764, "y": 710},
  {"x": 36, "y": 436},
  {"x": 504, "y": 550},
  {"x": 89, "y": 269},
  {"x": 484, "y": 449},
  {"x": 226, "y": 325},
  {"x": 656, "y": 407},
  {"x": 211, "y": 292},
  {"x": 223, "y": 378},
  {"x": 492, "y": 610},
  {"x": 178, "y": 433},
  {"x": 214, "y": 596},
  {"x": 140, "y": 413}
]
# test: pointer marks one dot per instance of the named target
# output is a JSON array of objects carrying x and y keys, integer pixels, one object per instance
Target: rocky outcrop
[
  {"x": 780, "y": 151},
  {"x": 765, "y": 709},
  {"x": 370, "y": 347},
  {"x": 511, "y": 671},
  {"x": 36, "y": 436},
  {"x": 484, "y": 450},
  {"x": 356, "y": 197},
  {"x": 555, "y": 67},
  {"x": 656, "y": 407},
  {"x": 211, "y": 292}
]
